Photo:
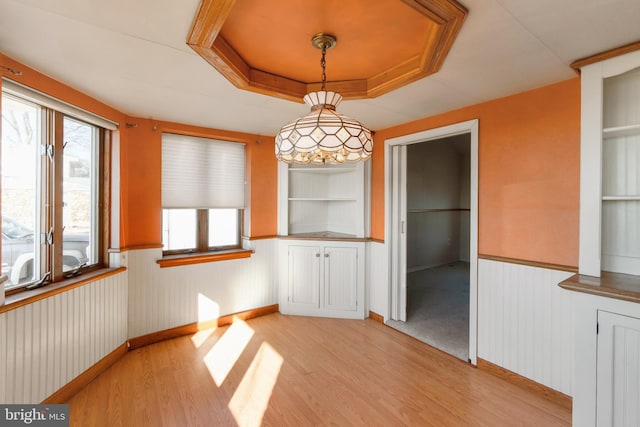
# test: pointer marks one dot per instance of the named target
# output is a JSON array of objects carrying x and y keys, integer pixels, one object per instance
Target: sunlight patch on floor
[
  {"x": 251, "y": 398},
  {"x": 227, "y": 350},
  {"x": 201, "y": 337}
]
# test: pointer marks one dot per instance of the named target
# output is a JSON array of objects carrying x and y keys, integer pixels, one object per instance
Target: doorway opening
[{"x": 433, "y": 234}]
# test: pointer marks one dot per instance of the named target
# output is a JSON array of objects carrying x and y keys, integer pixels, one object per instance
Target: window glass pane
[
  {"x": 79, "y": 194},
  {"x": 21, "y": 139},
  {"x": 179, "y": 229},
  {"x": 223, "y": 227}
]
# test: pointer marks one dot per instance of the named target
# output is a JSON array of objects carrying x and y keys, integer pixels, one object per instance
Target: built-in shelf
[
  {"x": 438, "y": 210},
  {"x": 324, "y": 170},
  {"x": 619, "y": 221},
  {"x": 620, "y": 198},
  {"x": 617, "y": 131},
  {"x": 325, "y": 235},
  {"x": 321, "y": 199}
]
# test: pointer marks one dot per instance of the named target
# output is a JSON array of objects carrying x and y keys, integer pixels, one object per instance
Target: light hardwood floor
[{"x": 299, "y": 371}]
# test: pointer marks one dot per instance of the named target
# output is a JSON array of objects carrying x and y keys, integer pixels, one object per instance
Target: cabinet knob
[
  {"x": 326, "y": 255},
  {"x": 318, "y": 255}
]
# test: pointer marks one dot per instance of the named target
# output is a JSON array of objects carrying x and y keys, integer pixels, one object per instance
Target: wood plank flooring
[{"x": 280, "y": 370}]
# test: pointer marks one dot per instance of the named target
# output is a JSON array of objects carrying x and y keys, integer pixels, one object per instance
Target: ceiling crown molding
[{"x": 442, "y": 22}]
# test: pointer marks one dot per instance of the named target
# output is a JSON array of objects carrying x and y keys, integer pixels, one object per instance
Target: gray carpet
[{"x": 438, "y": 308}]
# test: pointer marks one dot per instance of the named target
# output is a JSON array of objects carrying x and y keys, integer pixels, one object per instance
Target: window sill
[
  {"x": 187, "y": 259},
  {"x": 26, "y": 297}
]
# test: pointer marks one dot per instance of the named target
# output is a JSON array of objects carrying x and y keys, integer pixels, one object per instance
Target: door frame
[{"x": 393, "y": 224}]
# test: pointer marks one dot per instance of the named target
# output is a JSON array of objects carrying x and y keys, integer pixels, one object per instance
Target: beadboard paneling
[
  {"x": 3, "y": 364},
  {"x": 525, "y": 322},
  {"x": 621, "y": 236},
  {"x": 620, "y": 174},
  {"x": 48, "y": 343},
  {"x": 165, "y": 298},
  {"x": 620, "y": 160},
  {"x": 377, "y": 278},
  {"x": 618, "y": 370},
  {"x": 340, "y": 292}
]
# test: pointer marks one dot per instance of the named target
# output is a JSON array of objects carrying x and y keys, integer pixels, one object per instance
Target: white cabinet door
[
  {"x": 340, "y": 278},
  {"x": 618, "y": 370},
  {"x": 322, "y": 278},
  {"x": 304, "y": 276}
]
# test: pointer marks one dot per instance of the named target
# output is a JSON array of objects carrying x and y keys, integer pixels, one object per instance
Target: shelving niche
[
  {"x": 322, "y": 201},
  {"x": 621, "y": 173}
]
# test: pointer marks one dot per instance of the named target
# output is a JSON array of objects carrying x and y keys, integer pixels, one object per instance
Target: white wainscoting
[
  {"x": 46, "y": 344},
  {"x": 3, "y": 361},
  {"x": 525, "y": 322},
  {"x": 161, "y": 299},
  {"x": 377, "y": 278}
]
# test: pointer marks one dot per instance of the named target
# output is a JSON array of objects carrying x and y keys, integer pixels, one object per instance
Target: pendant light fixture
[{"x": 323, "y": 136}]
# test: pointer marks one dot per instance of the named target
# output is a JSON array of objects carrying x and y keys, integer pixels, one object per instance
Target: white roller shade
[{"x": 201, "y": 173}]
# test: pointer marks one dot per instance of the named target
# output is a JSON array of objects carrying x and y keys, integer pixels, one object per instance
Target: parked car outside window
[{"x": 18, "y": 251}]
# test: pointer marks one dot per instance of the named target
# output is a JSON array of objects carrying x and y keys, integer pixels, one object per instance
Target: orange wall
[
  {"x": 141, "y": 203},
  {"x": 528, "y": 169},
  {"x": 529, "y": 164},
  {"x": 140, "y": 179},
  {"x": 140, "y": 163}
]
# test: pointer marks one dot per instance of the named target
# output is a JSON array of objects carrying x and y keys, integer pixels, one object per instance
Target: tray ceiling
[{"x": 266, "y": 47}]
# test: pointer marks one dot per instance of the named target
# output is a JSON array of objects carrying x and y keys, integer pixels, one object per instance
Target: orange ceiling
[
  {"x": 265, "y": 46},
  {"x": 373, "y": 36}
]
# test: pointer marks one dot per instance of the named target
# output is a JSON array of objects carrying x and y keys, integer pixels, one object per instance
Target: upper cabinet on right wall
[{"x": 610, "y": 166}]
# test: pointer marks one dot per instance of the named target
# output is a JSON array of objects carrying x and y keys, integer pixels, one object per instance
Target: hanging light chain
[
  {"x": 323, "y": 64},
  {"x": 323, "y": 42}
]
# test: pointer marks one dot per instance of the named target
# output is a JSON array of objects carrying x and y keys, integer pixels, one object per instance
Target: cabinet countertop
[{"x": 624, "y": 287}]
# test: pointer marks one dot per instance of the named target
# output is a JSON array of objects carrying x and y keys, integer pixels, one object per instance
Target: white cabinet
[
  {"x": 302, "y": 278},
  {"x": 607, "y": 362},
  {"x": 618, "y": 370},
  {"x": 323, "y": 201},
  {"x": 606, "y": 389},
  {"x": 322, "y": 278},
  {"x": 323, "y": 218}
]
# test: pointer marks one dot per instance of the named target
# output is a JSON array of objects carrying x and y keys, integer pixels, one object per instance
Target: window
[
  {"x": 200, "y": 230},
  {"x": 202, "y": 194},
  {"x": 52, "y": 188}
]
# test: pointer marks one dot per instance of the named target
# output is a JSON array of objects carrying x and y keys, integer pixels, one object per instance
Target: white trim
[
  {"x": 48, "y": 101},
  {"x": 590, "y": 170},
  {"x": 398, "y": 219},
  {"x": 392, "y": 241}
]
